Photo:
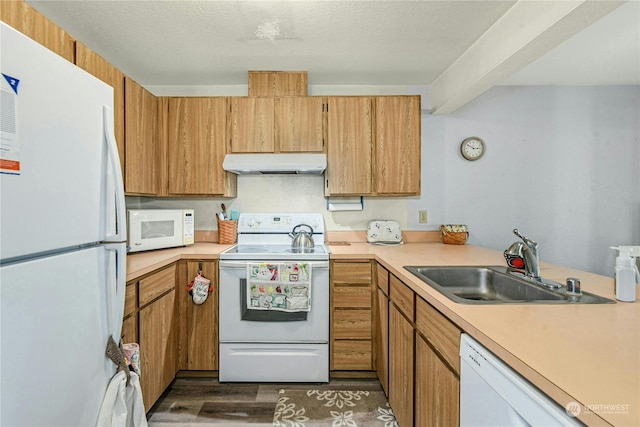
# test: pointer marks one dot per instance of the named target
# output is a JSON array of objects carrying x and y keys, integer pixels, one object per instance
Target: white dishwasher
[{"x": 493, "y": 394}]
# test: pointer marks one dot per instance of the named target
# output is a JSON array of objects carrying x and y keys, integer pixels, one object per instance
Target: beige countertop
[
  {"x": 589, "y": 354},
  {"x": 141, "y": 263}
]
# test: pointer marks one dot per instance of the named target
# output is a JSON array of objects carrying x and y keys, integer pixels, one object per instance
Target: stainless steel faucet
[
  {"x": 532, "y": 262},
  {"x": 531, "y": 258}
]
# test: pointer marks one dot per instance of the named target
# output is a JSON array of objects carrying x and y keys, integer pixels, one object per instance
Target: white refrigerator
[{"x": 62, "y": 234}]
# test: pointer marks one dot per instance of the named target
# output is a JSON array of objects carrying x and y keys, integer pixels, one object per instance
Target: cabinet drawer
[
  {"x": 352, "y": 324},
  {"x": 130, "y": 329},
  {"x": 130, "y": 299},
  {"x": 352, "y": 297},
  {"x": 402, "y": 296},
  {"x": 443, "y": 335},
  {"x": 157, "y": 284},
  {"x": 383, "y": 278},
  {"x": 351, "y": 355},
  {"x": 352, "y": 272}
]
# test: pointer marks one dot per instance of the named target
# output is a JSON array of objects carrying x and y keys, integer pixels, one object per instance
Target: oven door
[{"x": 237, "y": 324}]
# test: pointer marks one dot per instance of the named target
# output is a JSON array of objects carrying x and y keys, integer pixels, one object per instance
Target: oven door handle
[{"x": 243, "y": 264}]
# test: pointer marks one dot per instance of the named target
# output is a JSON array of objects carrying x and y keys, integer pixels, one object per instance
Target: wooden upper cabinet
[
  {"x": 252, "y": 125},
  {"x": 196, "y": 145},
  {"x": 397, "y": 146},
  {"x": 33, "y": 24},
  {"x": 141, "y": 142},
  {"x": 298, "y": 123},
  {"x": 349, "y": 146},
  {"x": 98, "y": 67},
  {"x": 277, "y": 83}
]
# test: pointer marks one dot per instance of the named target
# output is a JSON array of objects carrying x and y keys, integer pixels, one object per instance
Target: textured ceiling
[{"x": 337, "y": 42}]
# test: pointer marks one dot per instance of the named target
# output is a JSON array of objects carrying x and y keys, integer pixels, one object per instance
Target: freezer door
[
  {"x": 57, "y": 314},
  {"x": 54, "y": 161}
]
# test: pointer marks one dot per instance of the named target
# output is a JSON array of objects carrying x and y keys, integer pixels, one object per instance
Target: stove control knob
[
  {"x": 252, "y": 222},
  {"x": 259, "y": 220}
]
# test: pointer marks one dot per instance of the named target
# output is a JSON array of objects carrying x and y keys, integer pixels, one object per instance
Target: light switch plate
[{"x": 424, "y": 217}]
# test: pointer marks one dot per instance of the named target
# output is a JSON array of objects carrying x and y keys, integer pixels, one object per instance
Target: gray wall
[{"x": 562, "y": 165}]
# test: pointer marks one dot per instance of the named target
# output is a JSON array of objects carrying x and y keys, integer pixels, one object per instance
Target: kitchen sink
[{"x": 495, "y": 285}]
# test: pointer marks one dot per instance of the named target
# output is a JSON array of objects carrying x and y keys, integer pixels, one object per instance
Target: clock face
[{"x": 472, "y": 148}]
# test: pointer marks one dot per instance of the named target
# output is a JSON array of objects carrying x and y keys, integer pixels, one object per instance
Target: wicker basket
[
  {"x": 453, "y": 234},
  {"x": 227, "y": 231}
]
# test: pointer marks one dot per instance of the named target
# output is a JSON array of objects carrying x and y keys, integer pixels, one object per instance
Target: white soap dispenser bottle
[{"x": 626, "y": 272}]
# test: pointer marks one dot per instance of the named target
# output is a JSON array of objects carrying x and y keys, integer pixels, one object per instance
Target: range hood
[{"x": 279, "y": 163}]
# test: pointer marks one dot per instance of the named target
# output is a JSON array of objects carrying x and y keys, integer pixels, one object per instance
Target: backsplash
[{"x": 284, "y": 193}]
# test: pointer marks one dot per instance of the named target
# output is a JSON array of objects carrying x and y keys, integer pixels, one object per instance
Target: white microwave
[{"x": 159, "y": 228}]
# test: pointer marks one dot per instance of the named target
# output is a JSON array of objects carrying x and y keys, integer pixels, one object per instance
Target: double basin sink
[{"x": 496, "y": 285}]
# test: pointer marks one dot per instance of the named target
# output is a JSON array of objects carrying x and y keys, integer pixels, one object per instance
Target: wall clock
[{"x": 472, "y": 148}]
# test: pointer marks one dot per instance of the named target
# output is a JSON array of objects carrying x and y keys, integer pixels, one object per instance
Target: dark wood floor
[{"x": 200, "y": 402}]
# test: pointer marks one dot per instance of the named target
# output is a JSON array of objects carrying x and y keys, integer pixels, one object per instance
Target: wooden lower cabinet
[
  {"x": 351, "y": 315},
  {"x": 381, "y": 328},
  {"x": 129, "y": 332},
  {"x": 174, "y": 333},
  {"x": 150, "y": 320},
  {"x": 437, "y": 389},
  {"x": 437, "y": 368},
  {"x": 157, "y": 347},
  {"x": 198, "y": 324},
  {"x": 401, "y": 374},
  {"x": 423, "y": 356}
]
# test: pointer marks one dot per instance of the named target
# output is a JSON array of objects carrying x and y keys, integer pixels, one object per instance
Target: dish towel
[
  {"x": 122, "y": 405},
  {"x": 279, "y": 286}
]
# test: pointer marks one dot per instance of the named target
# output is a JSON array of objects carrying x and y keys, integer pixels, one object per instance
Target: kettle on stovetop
[{"x": 302, "y": 240}]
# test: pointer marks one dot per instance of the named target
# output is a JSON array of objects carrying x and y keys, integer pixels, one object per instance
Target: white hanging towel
[{"x": 122, "y": 405}]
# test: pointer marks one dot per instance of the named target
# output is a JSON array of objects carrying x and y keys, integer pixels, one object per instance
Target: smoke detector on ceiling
[{"x": 268, "y": 31}]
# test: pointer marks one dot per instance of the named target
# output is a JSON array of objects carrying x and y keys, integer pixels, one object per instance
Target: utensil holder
[
  {"x": 227, "y": 231},
  {"x": 454, "y": 234}
]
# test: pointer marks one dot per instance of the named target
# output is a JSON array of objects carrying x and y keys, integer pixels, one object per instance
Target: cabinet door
[
  {"x": 157, "y": 347},
  {"x": 349, "y": 146},
  {"x": 130, "y": 322},
  {"x": 36, "y": 26},
  {"x": 252, "y": 125},
  {"x": 397, "y": 170},
  {"x": 196, "y": 146},
  {"x": 277, "y": 83},
  {"x": 130, "y": 329},
  {"x": 141, "y": 140},
  {"x": 98, "y": 67},
  {"x": 299, "y": 124},
  {"x": 401, "y": 340},
  {"x": 199, "y": 331},
  {"x": 437, "y": 389},
  {"x": 381, "y": 353}
]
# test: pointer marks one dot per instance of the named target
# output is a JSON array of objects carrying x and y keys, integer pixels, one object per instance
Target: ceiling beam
[{"x": 525, "y": 32}]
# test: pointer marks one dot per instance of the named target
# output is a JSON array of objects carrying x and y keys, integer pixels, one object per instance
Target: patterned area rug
[{"x": 308, "y": 408}]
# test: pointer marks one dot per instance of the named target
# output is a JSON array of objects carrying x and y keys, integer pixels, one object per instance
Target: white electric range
[{"x": 274, "y": 302}]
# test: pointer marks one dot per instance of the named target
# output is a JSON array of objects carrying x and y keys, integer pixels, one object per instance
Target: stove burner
[
  {"x": 301, "y": 250},
  {"x": 267, "y": 236}
]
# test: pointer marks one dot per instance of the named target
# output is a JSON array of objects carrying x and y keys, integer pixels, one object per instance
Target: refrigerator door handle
[
  {"x": 117, "y": 284},
  {"x": 116, "y": 183}
]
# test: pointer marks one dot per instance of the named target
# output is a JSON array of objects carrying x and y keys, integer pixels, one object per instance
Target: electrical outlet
[{"x": 424, "y": 217}]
